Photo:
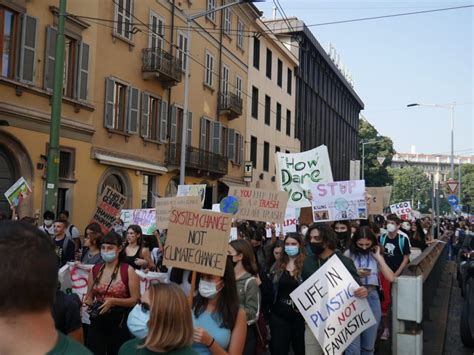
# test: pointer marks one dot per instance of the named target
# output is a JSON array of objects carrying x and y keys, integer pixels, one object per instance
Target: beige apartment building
[
  {"x": 270, "y": 114},
  {"x": 123, "y": 99}
]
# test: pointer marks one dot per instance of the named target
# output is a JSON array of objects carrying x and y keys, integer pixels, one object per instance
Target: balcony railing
[
  {"x": 158, "y": 63},
  {"x": 230, "y": 104},
  {"x": 198, "y": 159}
]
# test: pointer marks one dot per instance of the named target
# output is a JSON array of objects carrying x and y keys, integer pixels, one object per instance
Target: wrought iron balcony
[
  {"x": 156, "y": 63},
  {"x": 198, "y": 159},
  {"x": 230, "y": 105}
]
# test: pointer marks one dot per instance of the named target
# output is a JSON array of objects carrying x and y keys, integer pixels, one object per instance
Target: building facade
[
  {"x": 270, "y": 114},
  {"x": 327, "y": 106},
  {"x": 123, "y": 99}
]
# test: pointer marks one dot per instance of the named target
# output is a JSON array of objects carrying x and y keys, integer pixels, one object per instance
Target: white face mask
[
  {"x": 207, "y": 289},
  {"x": 391, "y": 227},
  {"x": 48, "y": 222}
]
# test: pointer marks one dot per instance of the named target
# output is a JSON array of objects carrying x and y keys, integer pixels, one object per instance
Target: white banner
[
  {"x": 327, "y": 303},
  {"x": 296, "y": 172},
  {"x": 144, "y": 217},
  {"x": 339, "y": 200}
]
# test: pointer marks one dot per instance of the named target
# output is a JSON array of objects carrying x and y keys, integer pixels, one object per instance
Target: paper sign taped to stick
[
  {"x": 339, "y": 200},
  {"x": 198, "y": 241},
  {"x": 327, "y": 303},
  {"x": 296, "y": 172},
  {"x": 108, "y": 207},
  {"x": 260, "y": 205},
  {"x": 192, "y": 190},
  {"x": 144, "y": 217},
  {"x": 18, "y": 192},
  {"x": 402, "y": 209},
  {"x": 166, "y": 204}
]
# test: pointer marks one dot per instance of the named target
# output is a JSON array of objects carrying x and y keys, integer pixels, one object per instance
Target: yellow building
[{"x": 123, "y": 100}]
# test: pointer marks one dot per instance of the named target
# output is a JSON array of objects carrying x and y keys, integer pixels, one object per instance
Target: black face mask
[
  {"x": 342, "y": 235},
  {"x": 317, "y": 248},
  {"x": 362, "y": 251}
]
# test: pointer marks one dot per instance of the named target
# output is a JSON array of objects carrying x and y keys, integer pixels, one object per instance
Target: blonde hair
[{"x": 170, "y": 325}]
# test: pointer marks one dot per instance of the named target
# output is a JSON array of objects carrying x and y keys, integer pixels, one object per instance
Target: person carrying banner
[
  {"x": 137, "y": 256},
  {"x": 220, "y": 325},
  {"x": 322, "y": 242},
  {"x": 161, "y": 323},
  {"x": 368, "y": 258},
  {"x": 287, "y": 326}
]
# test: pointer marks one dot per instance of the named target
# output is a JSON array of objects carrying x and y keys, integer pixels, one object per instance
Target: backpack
[{"x": 401, "y": 241}]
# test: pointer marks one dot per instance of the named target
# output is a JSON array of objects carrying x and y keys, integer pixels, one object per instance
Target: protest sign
[
  {"x": 145, "y": 218},
  {"x": 193, "y": 190},
  {"x": 327, "y": 303},
  {"x": 376, "y": 200},
  {"x": 339, "y": 200},
  {"x": 260, "y": 205},
  {"x": 296, "y": 172},
  {"x": 387, "y": 193},
  {"x": 109, "y": 206},
  {"x": 198, "y": 241},
  {"x": 147, "y": 278},
  {"x": 18, "y": 192},
  {"x": 165, "y": 205},
  {"x": 290, "y": 222},
  {"x": 402, "y": 209}
]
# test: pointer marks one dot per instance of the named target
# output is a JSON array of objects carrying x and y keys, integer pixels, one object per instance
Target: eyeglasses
[{"x": 145, "y": 306}]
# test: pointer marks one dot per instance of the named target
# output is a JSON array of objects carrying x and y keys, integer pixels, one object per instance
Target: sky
[{"x": 424, "y": 58}]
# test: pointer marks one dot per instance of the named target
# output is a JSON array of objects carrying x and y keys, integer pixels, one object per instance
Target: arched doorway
[
  {"x": 119, "y": 181},
  {"x": 7, "y": 179}
]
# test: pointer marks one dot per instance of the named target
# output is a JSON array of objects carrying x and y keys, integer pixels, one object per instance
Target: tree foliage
[
  {"x": 467, "y": 186},
  {"x": 411, "y": 184},
  {"x": 376, "y": 174}
]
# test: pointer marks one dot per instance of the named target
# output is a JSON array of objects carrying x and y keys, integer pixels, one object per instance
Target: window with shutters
[
  {"x": 9, "y": 21},
  {"x": 157, "y": 31},
  {"x": 240, "y": 34},
  {"x": 123, "y": 18},
  {"x": 66, "y": 163},
  {"x": 209, "y": 70},
  {"x": 224, "y": 141},
  {"x": 266, "y": 156},
  {"x": 278, "y": 116},
  {"x": 122, "y": 107},
  {"x": 239, "y": 149},
  {"x": 238, "y": 87},
  {"x": 211, "y": 6},
  {"x": 268, "y": 104},
  {"x": 227, "y": 21},
  {"x": 182, "y": 49},
  {"x": 205, "y": 134},
  {"x": 151, "y": 117},
  {"x": 253, "y": 151}
]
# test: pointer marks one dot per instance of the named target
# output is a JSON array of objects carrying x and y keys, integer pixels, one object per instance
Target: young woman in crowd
[
  {"x": 343, "y": 233},
  {"x": 113, "y": 289},
  {"x": 136, "y": 255},
  {"x": 245, "y": 268},
  {"x": 257, "y": 239},
  {"x": 161, "y": 323},
  {"x": 276, "y": 251},
  {"x": 287, "y": 326},
  {"x": 369, "y": 260},
  {"x": 405, "y": 227},
  {"x": 92, "y": 239},
  {"x": 220, "y": 325}
]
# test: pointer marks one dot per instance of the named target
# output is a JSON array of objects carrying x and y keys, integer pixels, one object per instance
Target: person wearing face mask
[
  {"x": 396, "y": 248},
  {"x": 47, "y": 226},
  {"x": 113, "y": 289},
  {"x": 343, "y": 230},
  {"x": 161, "y": 323},
  {"x": 368, "y": 259},
  {"x": 322, "y": 242},
  {"x": 287, "y": 326},
  {"x": 245, "y": 268},
  {"x": 220, "y": 325}
]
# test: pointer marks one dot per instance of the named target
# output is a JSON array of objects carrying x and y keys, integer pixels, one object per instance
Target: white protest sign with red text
[{"x": 402, "y": 209}]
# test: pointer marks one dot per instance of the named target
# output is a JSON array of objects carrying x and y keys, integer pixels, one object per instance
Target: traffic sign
[
  {"x": 452, "y": 186},
  {"x": 380, "y": 160},
  {"x": 453, "y": 200}
]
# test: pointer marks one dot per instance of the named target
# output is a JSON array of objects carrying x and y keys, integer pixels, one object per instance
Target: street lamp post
[{"x": 363, "y": 153}]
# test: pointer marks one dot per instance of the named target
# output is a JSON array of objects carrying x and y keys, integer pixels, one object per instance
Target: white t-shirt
[{"x": 72, "y": 231}]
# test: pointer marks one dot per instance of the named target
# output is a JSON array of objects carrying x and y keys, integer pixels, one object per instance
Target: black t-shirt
[
  {"x": 64, "y": 251},
  {"x": 392, "y": 253},
  {"x": 284, "y": 306},
  {"x": 66, "y": 312}
]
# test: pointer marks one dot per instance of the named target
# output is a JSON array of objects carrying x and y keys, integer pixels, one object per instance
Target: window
[
  {"x": 256, "y": 53},
  {"x": 182, "y": 49},
  {"x": 268, "y": 103},
  {"x": 8, "y": 39},
  {"x": 288, "y": 122},
  {"x": 66, "y": 163},
  {"x": 121, "y": 107},
  {"x": 147, "y": 200},
  {"x": 227, "y": 21},
  {"x": 123, "y": 18},
  {"x": 211, "y": 6},
  {"x": 266, "y": 156},
  {"x": 280, "y": 73},
  {"x": 225, "y": 80},
  {"x": 157, "y": 31},
  {"x": 176, "y": 123},
  {"x": 154, "y": 118},
  {"x": 289, "y": 84},
  {"x": 269, "y": 64},
  {"x": 240, "y": 34},
  {"x": 277, "y": 149},
  {"x": 253, "y": 151},
  {"x": 278, "y": 116},
  {"x": 235, "y": 146},
  {"x": 254, "y": 102},
  {"x": 238, "y": 87},
  {"x": 208, "y": 72}
]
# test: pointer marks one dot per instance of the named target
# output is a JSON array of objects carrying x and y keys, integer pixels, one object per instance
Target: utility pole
[{"x": 52, "y": 165}]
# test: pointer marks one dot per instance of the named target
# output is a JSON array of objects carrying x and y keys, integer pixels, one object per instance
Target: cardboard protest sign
[
  {"x": 192, "y": 190},
  {"x": 108, "y": 207},
  {"x": 198, "y": 241},
  {"x": 260, "y": 205},
  {"x": 339, "y": 200},
  {"x": 18, "y": 192},
  {"x": 145, "y": 218},
  {"x": 387, "y": 193},
  {"x": 296, "y": 172},
  {"x": 376, "y": 200},
  {"x": 166, "y": 204},
  {"x": 402, "y": 209},
  {"x": 147, "y": 278},
  {"x": 327, "y": 303}
]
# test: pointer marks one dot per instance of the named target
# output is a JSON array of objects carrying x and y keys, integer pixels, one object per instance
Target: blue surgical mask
[
  {"x": 108, "y": 256},
  {"x": 292, "y": 250},
  {"x": 137, "y": 322}
]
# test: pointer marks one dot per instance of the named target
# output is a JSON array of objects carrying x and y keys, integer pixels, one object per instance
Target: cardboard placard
[
  {"x": 379, "y": 198},
  {"x": 402, "y": 209},
  {"x": 260, "y": 205},
  {"x": 198, "y": 241},
  {"x": 108, "y": 208},
  {"x": 296, "y": 172},
  {"x": 144, "y": 217},
  {"x": 339, "y": 200},
  {"x": 166, "y": 204},
  {"x": 18, "y": 192},
  {"x": 327, "y": 303},
  {"x": 192, "y": 190}
]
